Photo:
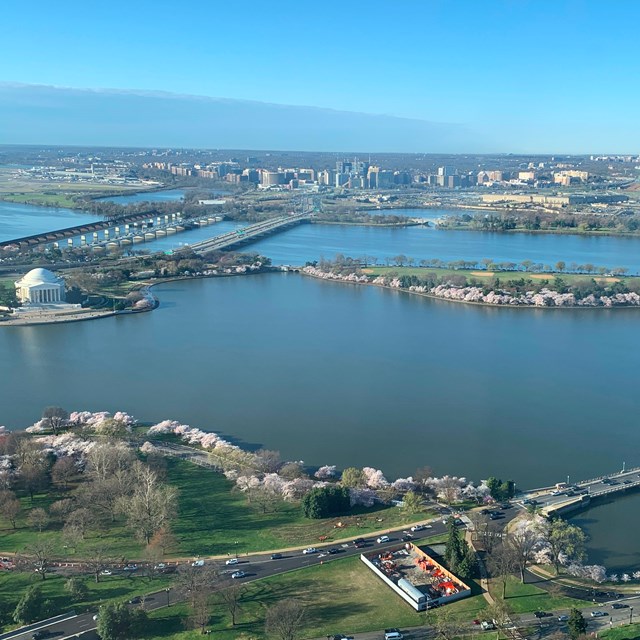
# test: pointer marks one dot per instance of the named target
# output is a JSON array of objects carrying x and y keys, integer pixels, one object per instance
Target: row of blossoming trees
[{"x": 505, "y": 289}]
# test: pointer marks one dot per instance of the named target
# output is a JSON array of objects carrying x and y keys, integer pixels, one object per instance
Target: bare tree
[
  {"x": 9, "y": 506},
  {"x": 37, "y": 556},
  {"x": 524, "y": 540},
  {"x": 63, "y": 471},
  {"x": 284, "y": 619},
  {"x": 268, "y": 461},
  {"x": 446, "y": 625},
  {"x": 34, "y": 477},
  {"x": 231, "y": 597},
  {"x": 501, "y": 564},
  {"x": 199, "y": 612},
  {"x": 55, "y": 418},
  {"x": 98, "y": 558},
  {"x": 38, "y": 519}
]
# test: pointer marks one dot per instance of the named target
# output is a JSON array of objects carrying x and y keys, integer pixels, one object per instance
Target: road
[{"x": 255, "y": 566}]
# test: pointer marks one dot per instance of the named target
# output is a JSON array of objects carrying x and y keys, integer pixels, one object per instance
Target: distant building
[{"x": 40, "y": 286}]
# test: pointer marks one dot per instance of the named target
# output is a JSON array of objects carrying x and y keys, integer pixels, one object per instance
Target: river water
[
  {"x": 339, "y": 374},
  {"x": 166, "y": 195}
]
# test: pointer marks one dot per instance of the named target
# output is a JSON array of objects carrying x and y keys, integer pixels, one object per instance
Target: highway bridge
[
  {"x": 564, "y": 498},
  {"x": 249, "y": 234}
]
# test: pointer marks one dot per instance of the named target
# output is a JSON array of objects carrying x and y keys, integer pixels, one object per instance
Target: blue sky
[{"x": 525, "y": 75}]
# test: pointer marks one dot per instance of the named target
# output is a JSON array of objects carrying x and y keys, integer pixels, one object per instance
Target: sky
[{"x": 520, "y": 75}]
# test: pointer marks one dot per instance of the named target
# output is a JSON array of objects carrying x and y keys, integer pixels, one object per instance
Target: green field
[
  {"x": 525, "y": 598},
  {"x": 489, "y": 276},
  {"x": 213, "y": 519},
  {"x": 45, "y": 199},
  {"x": 340, "y": 596},
  {"x": 625, "y": 632}
]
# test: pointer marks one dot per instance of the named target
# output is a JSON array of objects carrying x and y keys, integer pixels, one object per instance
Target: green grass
[
  {"x": 47, "y": 199},
  {"x": 341, "y": 596},
  {"x": 213, "y": 519},
  {"x": 625, "y": 632},
  {"x": 525, "y": 598},
  {"x": 504, "y": 276}
]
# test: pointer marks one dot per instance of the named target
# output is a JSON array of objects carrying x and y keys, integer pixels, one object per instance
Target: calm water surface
[
  {"x": 166, "y": 195},
  {"x": 18, "y": 220}
]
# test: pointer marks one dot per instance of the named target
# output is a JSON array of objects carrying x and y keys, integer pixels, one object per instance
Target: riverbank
[{"x": 479, "y": 295}]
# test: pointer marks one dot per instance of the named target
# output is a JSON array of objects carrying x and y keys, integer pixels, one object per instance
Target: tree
[
  {"x": 454, "y": 550},
  {"x": 577, "y": 624},
  {"x": 98, "y": 558},
  {"x": 199, "y": 611},
  {"x": 38, "y": 556},
  {"x": 501, "y": 564},
  {"x": 120, "y": 622},
  {"x": 524, "y": 540},
  {"x": 446, "y": 624},
  {"x": 268, "y": 461},
  {"x": 77, "y": 589},
  {"x": 561, "y": 266},
  {"x": 30, "y": 606},
  {"x": 284, "y": 619},
  {"x": 163, "y": 539},
  {"x": 322, "y": 502},
  {"x": 500, "y": 490},
  {"x": 292, "y": 470},
  {"x": 352, "y": 477},
  {"x": 421, "y": 477},
  {"x": 151, "y": 506},
  {"x": 63, "y": 471},
  {"x": 231, "y": 597},
  {"x": 54, "y": 418},
  {"x": 468, "y": 565},
  {"x": 565, "y": 541},
  {"x": 34, "y": 478},
  {"x": 38, "y": 519},
  {"x": 412, "y": 502},
  {"x": 9, "y": 506}
]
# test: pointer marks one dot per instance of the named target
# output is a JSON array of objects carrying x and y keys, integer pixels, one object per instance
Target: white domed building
[{"x": 40, "y": 286}]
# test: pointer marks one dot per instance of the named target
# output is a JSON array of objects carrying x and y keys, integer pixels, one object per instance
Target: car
[
  {"x": 619, "y": 605},
  {"x": 486, "y": 625},
  {"x": 407, "y": 537},
  {"x": 341, "y": 636},
  {"x": 496, "y": 516},
  {"x": 358, "y": 543},
  {"x": 599, "y": 614},
  {"x": 131, "y": 567},
  {"x": 232, "y": 561},
  {"x": 96, "y": 616},
  {"x": 160, "y": 566},
  {"x": 420, "y": 527},
  {"x": 276, "y": 556},
  {"x": 541, "y": 614},
  {"x": 238, "y": 574},
  {"x": 563, "y": 618},
  {"x": 505, "y": 505},
  {"x": 393, "y": 634},
  {"x": 38, "y": 635},
  {"x": 106, "y": 572},
  {"x": 135, "y": 600},
  {"x": 626, "y": 482},
  {"x": 333, "y": 551},
  {"x": 383, "y": 539},
  {"x": 557, "y": 492},
  {"x": 309, "y": 550},
  {"x": 484, "y": 512},
  {"x": 197, "y": 563}
]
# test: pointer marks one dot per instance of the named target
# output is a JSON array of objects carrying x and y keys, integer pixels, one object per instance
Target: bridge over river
[
  {"x": 564, "y": 498},
  {"x": 249, "y": 234}
]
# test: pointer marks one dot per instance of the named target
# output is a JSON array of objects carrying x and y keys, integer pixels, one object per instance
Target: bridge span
[
  {"x": 249, "y": 234},
  {"x": 564, "y": 498}
]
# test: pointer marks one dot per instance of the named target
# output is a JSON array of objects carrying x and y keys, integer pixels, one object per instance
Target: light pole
[
  {"x": 630, "y": 615},
  {"x": 236, "y": 547},
  {"x": 167, "y": 590}
]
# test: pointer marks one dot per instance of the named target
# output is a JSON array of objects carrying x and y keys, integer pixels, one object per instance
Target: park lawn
[
  {"x": 625, "y": 632},
  {"x": 213, "y": 519},
  {"x": 117, "y": 588},
  {"x": 340, "y": 596},
  {"x": 504, "y": 276},
  {"x": 525, "y": 598},
  {"x": 48, "y": 199}
]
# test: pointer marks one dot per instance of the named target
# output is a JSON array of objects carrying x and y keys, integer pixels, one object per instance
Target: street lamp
[
  {"x": 630, "y": 615},
  {"x": 167, "y": 590},
  {"x": 236, "y": 547}
]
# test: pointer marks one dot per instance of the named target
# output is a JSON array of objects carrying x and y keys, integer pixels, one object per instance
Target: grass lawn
[
  {"x": 117, "y": 587},
  {"x": 489, "y": 276},
  {"x": 524, "y": 598},
  {"x": 625, "y": 632},
  {"x": 213, "y": 519},
  {"x": 340, "y": 596},
  {"x": 49, "y": 199}
]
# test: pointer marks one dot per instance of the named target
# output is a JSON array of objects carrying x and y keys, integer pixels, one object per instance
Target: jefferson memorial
[{"x": 40, "y": 286}]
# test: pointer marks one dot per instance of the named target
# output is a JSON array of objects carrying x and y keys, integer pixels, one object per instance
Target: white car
[
  {"x": 309, "y": 550},
  {"x": 420, "y": 527},
  {"x": 106, "y": 572},
  {"x": 160, "y": 565},
  {"x": 232, "y": 561},
  {"x": 95, "y": 617},
  {"x": 383, "y": 539},
  {"x": 599, "y": 614},
  {"x": 238, "y": 574},
  {"x": 197, "y": 563}
]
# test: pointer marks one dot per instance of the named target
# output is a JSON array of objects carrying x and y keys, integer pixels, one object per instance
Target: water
[
  {"x": 314, "y": 241},
  {"x": 166, "y": 195},
  {"x": 18, "y": 220}
]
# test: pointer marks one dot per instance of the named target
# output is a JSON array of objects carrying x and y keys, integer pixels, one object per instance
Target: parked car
[
  {"x": 563, "y": 618},
  {"x": 420, "y": 527},
  {"x": 599, "y": 614},
  {"x": 135, "y": 600},
  {"x": 309, "y": 550},
  {"x": 619, "y": 605},
  {"x": 238, "y": 574},
  {"x": 131, "y": 567},
  {"x": 383, "y": 539},
  {"x": 232, "y": 561},
  {"x": 393, "y": 634},
  {"x": 276, "y": 556},
  {"x": 160, "y": 566},
  {"x": 541, "y": 614},
  {"x": 486, "y": 625},
  {"x": 106, "y": 572},
  {"x": 197, "y": 563}
]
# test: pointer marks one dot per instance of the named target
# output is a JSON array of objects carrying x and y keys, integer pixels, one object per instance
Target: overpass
[
  {"x": 563, "y": 498},
  {"x": 249, "y": 234}
]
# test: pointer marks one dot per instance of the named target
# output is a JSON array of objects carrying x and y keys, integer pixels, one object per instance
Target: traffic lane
[{"x": 63, "y": 629}]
